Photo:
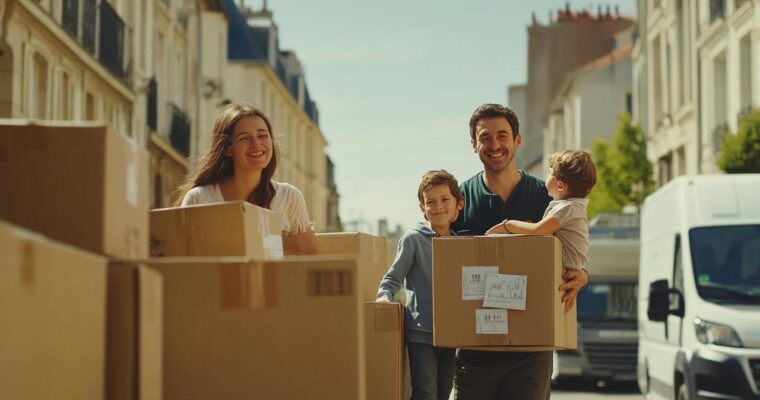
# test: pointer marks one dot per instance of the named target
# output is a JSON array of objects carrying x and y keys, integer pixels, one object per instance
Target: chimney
[
  {"x": 617, "y": 11},
  {"x": 534, "y": 20}
]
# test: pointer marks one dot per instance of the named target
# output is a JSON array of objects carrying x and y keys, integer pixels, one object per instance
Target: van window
[
  {"x": 607, "y": 301},
  {"x": 726, "y": 261}
]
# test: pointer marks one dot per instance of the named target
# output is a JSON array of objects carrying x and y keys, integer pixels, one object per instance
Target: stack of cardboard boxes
[{"x": 216, "y": 311}]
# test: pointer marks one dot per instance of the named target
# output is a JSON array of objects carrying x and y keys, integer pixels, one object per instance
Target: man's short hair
[
  {"x": 490, "y": 110},
  {"x": 435, "y": 178},
  {"x": 576, "y": 169}
]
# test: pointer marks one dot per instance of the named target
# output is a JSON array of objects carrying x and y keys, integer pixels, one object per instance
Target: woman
[{"x": 240, "y": 165}]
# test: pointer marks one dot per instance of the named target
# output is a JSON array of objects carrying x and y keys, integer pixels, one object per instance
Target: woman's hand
[
  {"x": 574, "y": 281},
  {"x": 300, "y": 243}
]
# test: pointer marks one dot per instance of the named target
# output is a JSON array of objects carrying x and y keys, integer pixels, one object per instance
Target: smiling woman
[{"x": 239, "y": 165}]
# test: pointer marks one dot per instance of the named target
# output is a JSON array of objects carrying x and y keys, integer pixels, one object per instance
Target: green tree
[
  {"x": 740, "y": 153},
  {"x": 624, "y": 173}
]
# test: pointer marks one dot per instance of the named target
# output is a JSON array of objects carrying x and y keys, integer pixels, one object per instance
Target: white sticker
[
  {"x": 506, "y": 291},
  {"x": 273, "y": 246},
  {"x": 132, "y": 186},
  {"x": 491, "y": 322},
  {"x": 474, "y": 281}
]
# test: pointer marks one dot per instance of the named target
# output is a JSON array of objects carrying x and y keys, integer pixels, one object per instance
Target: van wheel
[{"x": 683, "y": 392}]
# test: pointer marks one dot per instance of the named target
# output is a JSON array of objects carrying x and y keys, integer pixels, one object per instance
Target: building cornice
[
  {"x": 46, "y": 25},
  {"x": 742, "y": 15},
  {"x": 159, "y": 142},
  {"x": 284, "y": 92},
  {"x": 710, "y": 36}
]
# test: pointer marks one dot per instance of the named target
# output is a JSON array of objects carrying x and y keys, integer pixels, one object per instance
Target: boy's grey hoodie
[{"x": 414, "y": 261}]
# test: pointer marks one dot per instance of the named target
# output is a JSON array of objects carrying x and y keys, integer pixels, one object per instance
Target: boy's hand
[
  {"x": 382, "y": 300},
  {"x": 574, "y": 281},
  {"x": 497, "y": 229}
]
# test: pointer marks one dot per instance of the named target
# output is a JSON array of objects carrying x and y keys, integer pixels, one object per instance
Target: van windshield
[
  {"x": 607, "y": 301},
  {"x": 727, "y": 263}
]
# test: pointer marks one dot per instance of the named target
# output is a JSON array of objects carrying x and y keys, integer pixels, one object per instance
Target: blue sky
[{"x": 396, "y": 81}]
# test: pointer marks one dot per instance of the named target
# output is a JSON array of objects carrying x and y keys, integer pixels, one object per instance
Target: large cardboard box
[
  {"x": 542, "y": 325},
  {"x": 52, "y": 319},
  {"x": 133, "y": 333},
  {"x": 384, "y": 329},
  {"x": 82, "y": 184},
  {"x": 236, "y": 228},
  {"x": 372, "y": 252},
  {"x": 240, "y": 329}
]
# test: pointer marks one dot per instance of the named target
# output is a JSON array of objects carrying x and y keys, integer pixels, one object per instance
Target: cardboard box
[
  {"x": 542, "y": 325},
  {"x": 236, "y": 228},
  {"x": 82, "y": 184},
  {"x": 133, "y": 333},
  {"x": 373, "y": 254},
  {"x": 384, "y": 329},
  {"x": 239, "y": 329},
  {"x": 53, "y": 319}
]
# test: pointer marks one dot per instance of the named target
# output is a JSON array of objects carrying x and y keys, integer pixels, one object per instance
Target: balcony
[
  {"x": 100, "y": 31},
  {"x": 179, "y": 130},
  {"x": 717, "y": 9}
]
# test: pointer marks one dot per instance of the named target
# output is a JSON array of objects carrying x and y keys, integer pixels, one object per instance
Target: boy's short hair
[
  {"x": 576, "y": 169},
  {"x": 490, "y": 110},
  {"x": 435, "y": 178}
]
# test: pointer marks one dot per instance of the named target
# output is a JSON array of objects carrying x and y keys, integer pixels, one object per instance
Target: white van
[{"x": 699, "y": 289}]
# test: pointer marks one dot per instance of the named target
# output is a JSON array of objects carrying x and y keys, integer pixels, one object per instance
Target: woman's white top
[{"x": 287, "y": 199}]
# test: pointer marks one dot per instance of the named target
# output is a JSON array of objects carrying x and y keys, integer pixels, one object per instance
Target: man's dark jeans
[
  {"x": 494, "y": 375},
  {"x": 432, "y": 371}
]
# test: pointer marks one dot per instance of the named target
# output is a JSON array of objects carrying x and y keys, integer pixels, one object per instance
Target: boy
[
  {"x": 432, "y": 368},
  {"x": 571, "y": 177}
]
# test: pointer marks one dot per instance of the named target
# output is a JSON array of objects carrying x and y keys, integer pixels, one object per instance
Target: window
[
  {"x": 684, "y": 40},
  {"x": 39, "y": 87},
  {"x": 721, "y": 95},
  {"x": 665, "y": 169},
  {"x": 89, "y": 107},
  {"x": 657, "y": 81},
  {"x": 64, "y": 111}
]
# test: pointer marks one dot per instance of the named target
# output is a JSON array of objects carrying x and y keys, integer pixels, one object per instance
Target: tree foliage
[
  {"x": 740, "y": 153},
  {"x": 623, "y": 171}
]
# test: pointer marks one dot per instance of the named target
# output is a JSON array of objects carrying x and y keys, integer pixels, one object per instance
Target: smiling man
[{"x": 497, "y": 193}]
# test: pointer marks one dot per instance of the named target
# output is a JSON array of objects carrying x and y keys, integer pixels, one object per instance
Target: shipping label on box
[{"x": 481, "y": 296}]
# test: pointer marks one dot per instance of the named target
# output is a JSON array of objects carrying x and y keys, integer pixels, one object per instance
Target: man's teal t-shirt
[{"x": 483, "y": 209}]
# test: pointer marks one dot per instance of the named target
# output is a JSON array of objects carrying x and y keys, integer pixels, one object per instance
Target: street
[{"x": 589, "y": 391}]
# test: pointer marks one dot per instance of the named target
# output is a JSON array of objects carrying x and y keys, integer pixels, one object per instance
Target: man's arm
[{"x": 546, "y": 226}]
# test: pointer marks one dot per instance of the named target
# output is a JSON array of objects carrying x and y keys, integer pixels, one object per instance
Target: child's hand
[
  {"x": 382, "y": 300},
  {"x": 497, "y": 229}
]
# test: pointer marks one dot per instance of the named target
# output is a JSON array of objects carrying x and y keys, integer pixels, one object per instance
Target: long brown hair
[{"x": 216, "y": 166}]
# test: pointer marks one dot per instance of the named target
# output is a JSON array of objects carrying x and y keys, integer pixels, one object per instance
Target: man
[{"x": 501, "y": 192}]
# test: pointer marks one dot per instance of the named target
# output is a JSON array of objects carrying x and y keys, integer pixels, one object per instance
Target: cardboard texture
[
  {"x": 53, "y": 319},
  {"x": 235, "y": 228},
  {"x": 131, "y": 325},
  {"x": 372, "y": 250},
  {"x": 384, "y": 329},
  {"x": 541, "y": 326},
  {"x": 288, "y": 329},
  {"x": 82, "y": 184}
]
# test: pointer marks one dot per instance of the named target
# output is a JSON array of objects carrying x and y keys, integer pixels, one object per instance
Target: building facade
[
  {"x": 590, "y": 101},
  {"x": 695, "y": 75},
  {"x": 160, "y": 71},
  {"x": 68, "y": 60},
  {"x": 555, "y": 50}
]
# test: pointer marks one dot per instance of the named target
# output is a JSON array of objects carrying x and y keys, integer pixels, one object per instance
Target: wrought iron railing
[
  {"x": 179, "y": 130},
  {"x": 100, "y": 30}
]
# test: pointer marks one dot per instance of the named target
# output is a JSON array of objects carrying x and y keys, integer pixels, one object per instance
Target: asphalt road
[{"x": 592, "y": 391}]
